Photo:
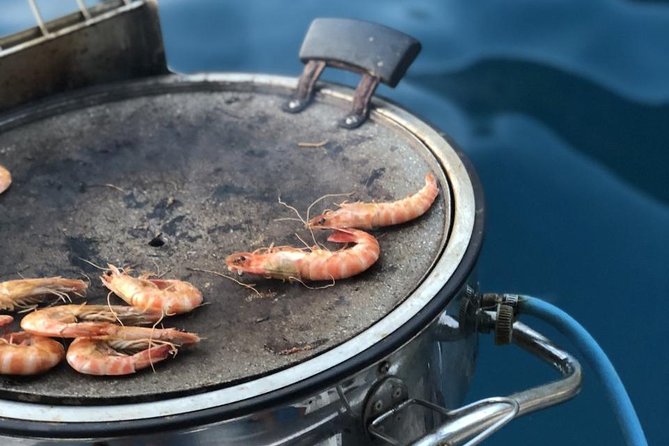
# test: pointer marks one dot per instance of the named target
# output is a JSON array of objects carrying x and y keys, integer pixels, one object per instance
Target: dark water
[{"x": 564, "y": 109}]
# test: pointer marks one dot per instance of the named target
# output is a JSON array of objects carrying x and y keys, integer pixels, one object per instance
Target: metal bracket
[
  {"x": 502, "y": 409},
  {"x": 388, "y": 393}
]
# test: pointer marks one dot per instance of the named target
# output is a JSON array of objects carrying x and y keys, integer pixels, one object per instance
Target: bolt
[
  {"x": 397, "y": 393},
  {"x": 378, "y": 405}
]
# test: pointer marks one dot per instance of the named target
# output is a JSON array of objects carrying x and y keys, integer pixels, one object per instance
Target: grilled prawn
[
  {"x": 5, "y": 179},
  {"x": 25, "y": 293},
  {"x": 23, "y": 353},
  {"x": 373, "y": 215},
  {"x": 129, "y": 350},
  {"x": 110, "y": 356},
  {"x": 167, "y": 296},
  {"x": 289, "y": 263},
  {"x": 70, "y": 321}
]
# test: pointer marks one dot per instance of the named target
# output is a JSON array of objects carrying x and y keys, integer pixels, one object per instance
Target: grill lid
[{"x": 99, "y": 174}]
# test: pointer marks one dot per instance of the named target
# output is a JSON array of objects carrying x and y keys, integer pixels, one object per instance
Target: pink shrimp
[
  {"x": 107, "y": 355},
  {"x": 70, "y": 321},
  {"x": 169, "y": 296},
  {"x": 23, "y": 353},
  {"x": 5, "y": 178},
  {"x": 373, "y": 215},
  {"x": 289, "y": 263},
  {"x": 26, "y": 293}
]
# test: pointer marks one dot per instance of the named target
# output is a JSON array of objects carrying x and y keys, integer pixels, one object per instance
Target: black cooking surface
[{"x": 179, "y": 179}]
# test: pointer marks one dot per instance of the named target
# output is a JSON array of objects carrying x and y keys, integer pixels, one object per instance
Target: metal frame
[{"x": 85, "y": 48}]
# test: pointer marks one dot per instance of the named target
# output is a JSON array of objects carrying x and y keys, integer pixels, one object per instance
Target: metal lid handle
[{"x": 379, "y": 53}]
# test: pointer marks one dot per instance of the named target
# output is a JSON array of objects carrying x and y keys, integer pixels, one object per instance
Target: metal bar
[
  {"x": 83, "y": 9},
  {"x": 529, "y": 400},
  {"x": 553, "y": 393},
  {"x": 38, "y": 17},
  {"x": 477, "y": 421}
]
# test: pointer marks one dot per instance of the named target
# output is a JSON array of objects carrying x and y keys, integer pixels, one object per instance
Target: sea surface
[{"x": 563, "y": 107}]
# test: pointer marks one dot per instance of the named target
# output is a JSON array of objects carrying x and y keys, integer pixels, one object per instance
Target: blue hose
[{"x": 596, "y": 359}]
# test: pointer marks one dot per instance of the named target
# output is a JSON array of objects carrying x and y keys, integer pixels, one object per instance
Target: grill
[{"x": 200, "y": 166}]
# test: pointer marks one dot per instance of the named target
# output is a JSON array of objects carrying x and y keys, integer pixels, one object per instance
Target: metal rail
[{"x": 477, "y": 421}]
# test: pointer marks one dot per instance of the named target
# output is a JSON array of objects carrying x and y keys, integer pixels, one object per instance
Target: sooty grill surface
[{"x": 205, "y": 170}]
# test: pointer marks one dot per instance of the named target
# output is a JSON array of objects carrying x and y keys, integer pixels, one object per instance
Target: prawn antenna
[
  {"x": 111, "y": 309},
  {"x": 153, "y": 328},
  {"x": 289, "y": 219},
  {"x": 159, "y": 275},
  {"x": 93, "y": 264},
  {"x": 292, "y": 208},
  {"x": 303, "y": 242},
  {"x": 250, "y": 286},
  {"x": 319, "y": 199},
  {"x": 90, "y": 281},
  {"x": 315, "y": 287}
]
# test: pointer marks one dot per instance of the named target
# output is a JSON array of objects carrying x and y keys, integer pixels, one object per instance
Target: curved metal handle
[
  {"x": 477, "y": 421},
  {"x": 379, "y": 53}
]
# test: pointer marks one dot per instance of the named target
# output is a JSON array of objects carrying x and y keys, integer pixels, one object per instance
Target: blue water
[{"x": 564, "y": 109}]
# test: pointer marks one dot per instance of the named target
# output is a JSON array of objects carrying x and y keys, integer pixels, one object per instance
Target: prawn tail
[
  {"x": 180, "y": 338},
  {"x": 431, "y": 188},
  {"x": 5, "y": 319},
  {"x": 146, "y": 358},
  {"x": 72, "y": 285}
]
